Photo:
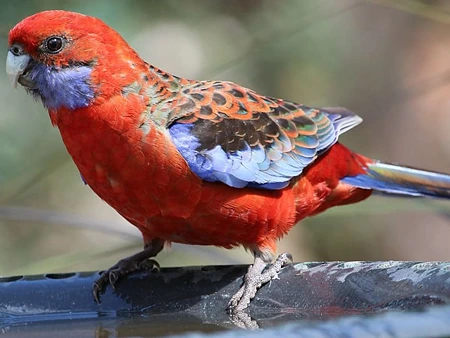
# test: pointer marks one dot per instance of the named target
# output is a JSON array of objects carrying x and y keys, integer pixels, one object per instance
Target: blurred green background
[{"x": 389, "y": 61}]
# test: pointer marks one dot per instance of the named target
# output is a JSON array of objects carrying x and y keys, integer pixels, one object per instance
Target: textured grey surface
[{"x": 195, "y": 298}]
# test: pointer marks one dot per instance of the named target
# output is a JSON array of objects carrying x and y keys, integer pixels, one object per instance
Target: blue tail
[{"x": 394, "y": 179}]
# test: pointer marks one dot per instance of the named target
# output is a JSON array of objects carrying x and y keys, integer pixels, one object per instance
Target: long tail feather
[{"x": 395, "y": 179}]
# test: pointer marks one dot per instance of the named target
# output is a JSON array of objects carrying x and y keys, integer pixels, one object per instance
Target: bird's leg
[
  {"x": 255, "y": 278},
  {"x": 137, "y": 262}
]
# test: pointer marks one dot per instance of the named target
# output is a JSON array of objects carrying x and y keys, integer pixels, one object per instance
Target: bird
[{"x": 194, "y": 162}]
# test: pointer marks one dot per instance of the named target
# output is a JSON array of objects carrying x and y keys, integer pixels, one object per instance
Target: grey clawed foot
[
  {"x": 138, "y": 262},
  {"x": 123, "y": 268},
  {"x": 257, "y": 275}
]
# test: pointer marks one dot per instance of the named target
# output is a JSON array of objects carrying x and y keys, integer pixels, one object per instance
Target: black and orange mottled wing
[{"x": 230, "y": 134}]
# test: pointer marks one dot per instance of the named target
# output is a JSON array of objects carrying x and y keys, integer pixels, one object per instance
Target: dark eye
[{"x": 54, "y": 44}]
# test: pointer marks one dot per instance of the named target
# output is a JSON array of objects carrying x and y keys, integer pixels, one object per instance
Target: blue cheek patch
[{"x": 67, "y": 87}]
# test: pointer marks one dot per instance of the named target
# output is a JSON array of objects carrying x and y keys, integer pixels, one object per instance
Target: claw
[
  {"x": 96, "y": 290},
  {"x": 150, "y": 264},
  {"x": 113, "y": 278}
]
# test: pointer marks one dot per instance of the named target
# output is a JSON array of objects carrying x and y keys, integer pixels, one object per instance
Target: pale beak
[{"x": 15, "y": 66}]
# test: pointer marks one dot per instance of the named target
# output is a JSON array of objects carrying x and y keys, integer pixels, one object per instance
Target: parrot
[{"x": 194, "y": 162}]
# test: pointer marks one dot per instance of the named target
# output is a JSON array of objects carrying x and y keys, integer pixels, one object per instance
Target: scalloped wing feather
[{"x": 230, "y": 134}]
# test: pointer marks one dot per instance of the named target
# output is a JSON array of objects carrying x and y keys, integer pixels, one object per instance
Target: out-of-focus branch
[{"x": 33, "y": 215}]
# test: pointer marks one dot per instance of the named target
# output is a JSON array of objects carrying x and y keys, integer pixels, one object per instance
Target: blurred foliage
[{"x": 374, "y": 57}]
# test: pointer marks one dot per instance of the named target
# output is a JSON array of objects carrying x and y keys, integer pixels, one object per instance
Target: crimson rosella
[{"x": 195, "y": 162}]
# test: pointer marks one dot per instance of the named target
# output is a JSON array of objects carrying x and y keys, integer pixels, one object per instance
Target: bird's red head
[
  {"x": 69, "y": 59},
  {"x": 59, "y": 37}
]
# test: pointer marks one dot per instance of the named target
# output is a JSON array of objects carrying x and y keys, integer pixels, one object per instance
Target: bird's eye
[{"x": 54, "y": 44}]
